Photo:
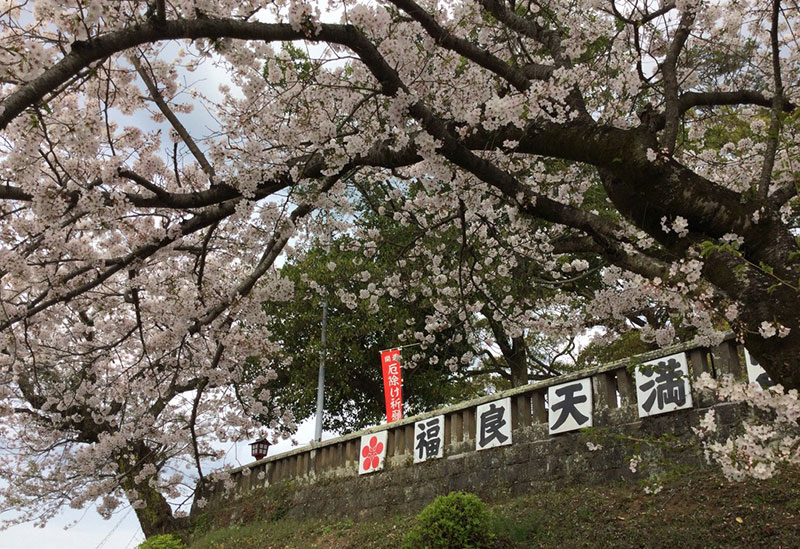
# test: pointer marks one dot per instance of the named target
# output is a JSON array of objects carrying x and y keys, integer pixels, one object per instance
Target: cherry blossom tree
[{"x": 655, "y": 143}]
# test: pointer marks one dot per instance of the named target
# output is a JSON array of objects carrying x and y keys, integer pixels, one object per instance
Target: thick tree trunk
[
  {"x": 156, "y": 516},
  {"x": 518, "y": 362},
  {"x": 515, "y": 352},
  {"x": 763, "y": 301},
  {"x": 152, "y": 509},
  {"x": 761, "y": 275},
  {"x": 780, "y": 357},
  {"x": 766, "y": 287}
]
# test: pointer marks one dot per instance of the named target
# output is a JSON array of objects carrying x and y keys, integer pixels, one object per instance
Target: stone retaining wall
[{"x": 322, "y": 480}]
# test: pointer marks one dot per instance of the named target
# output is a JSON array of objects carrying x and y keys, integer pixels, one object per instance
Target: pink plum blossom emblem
[{"x": 372, "y": 454}]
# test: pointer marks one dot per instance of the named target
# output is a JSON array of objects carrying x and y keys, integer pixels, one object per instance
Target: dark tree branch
[
  {"x": 669, "y": 70},
  {"x": 200, "y": 264},
  {"x": 602, "y": 230},
  {"x": 161, "y": 11},
  {"x": 549, "y": 38},
  {"x": 496, "y": 367},
  {"x": 528, "y": 27},
  {"x": 84, "y": 53},
  {"x": 193, "y": 417},
  {"x": 576, "y": 244},
  {"x": 273, "y": 249},
  {"x": 782, "y": 195},
  {"x": 689, "y": 100},
  {"x": 8, "y": 192},
  {"x": 777, "y": 100},
  {"x": 646, "y": 17},
  {"x": 666, "y": 8},
  {"x": 179, "y": 128},
  {"x": 144, "y": 182},
  {"x": 515, "y": 76}
]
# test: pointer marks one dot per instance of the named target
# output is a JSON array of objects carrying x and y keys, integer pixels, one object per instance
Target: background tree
[
  {"x": 136, "y": 257},
  {"x": 362, "y": 321}
]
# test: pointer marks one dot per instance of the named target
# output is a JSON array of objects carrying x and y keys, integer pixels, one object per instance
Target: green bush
[
  {"x": 453, "y": 521},
  {"x": 163, "y": 541}
]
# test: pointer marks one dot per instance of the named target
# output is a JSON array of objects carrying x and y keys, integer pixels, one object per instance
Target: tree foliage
[
  {"x": 654, "y": 142},
  {"x": 358, "y": 327}
]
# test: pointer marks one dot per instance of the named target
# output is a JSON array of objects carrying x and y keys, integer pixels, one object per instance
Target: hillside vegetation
[{"x": 695, "y": 508}]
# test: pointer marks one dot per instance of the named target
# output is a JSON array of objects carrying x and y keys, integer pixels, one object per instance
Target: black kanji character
[
  {"x": 763, "y": 378},
  {"x": 491, "y": 422},
  {"x": 567, "y": 406},
  {"x": 428, "y": 439},
  {"x": 668, "y": 386},
  {"x": 765, "y": 381}
]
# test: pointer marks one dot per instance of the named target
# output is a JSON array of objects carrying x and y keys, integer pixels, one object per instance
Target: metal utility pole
[{"x": 321, "y": 379}]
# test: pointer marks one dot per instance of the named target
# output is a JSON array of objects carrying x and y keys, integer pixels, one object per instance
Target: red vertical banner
[{"x": 392, "y": 384}]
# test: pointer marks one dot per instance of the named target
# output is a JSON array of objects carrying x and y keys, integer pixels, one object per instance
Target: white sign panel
[
  {"x": 662, "y": 385},
  {"x": 429, "y": 439},
  {"x": 755, "y": 373},
  {"x": 570, "y": 406},
  {"x": 373, "y": 452},
  {"x": 493, "y": 424}
]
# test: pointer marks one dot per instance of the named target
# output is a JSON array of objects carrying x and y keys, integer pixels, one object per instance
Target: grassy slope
[{"x": 694, "y": 509}]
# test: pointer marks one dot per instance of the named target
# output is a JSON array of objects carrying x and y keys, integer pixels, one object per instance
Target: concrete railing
[{"x": 614, "y": 396}]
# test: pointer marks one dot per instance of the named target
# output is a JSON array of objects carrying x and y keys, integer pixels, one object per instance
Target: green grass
[{"x": 694, "y": 509}]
